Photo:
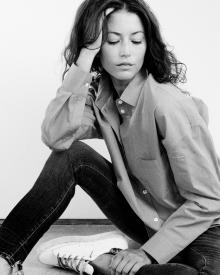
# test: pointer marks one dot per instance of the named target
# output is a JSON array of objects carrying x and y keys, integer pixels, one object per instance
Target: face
[{"x": 122, "y": 55}]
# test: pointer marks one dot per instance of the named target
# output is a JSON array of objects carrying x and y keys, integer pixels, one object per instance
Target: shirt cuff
[
  {"x": 76, "y": 77},
  {"x": 160, "y": 248},
  {"x": 153, "y": 261}
]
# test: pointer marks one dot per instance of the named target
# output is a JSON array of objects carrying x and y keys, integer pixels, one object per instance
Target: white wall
[{"x": 33, "y": 35}]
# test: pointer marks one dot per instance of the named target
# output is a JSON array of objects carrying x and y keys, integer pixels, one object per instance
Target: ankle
[{"x": 5, "y": 268}]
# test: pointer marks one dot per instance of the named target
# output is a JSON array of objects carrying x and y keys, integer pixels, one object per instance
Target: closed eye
[
  {"x": 115, "y": 42},
  {"x": 137, "y": 42},
  {"x": 112, "y": 43}
]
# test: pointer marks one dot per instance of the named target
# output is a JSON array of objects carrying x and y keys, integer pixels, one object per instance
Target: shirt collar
[
  {"x": 105, "y": 90},
  {"x": 130, "y": 95}
]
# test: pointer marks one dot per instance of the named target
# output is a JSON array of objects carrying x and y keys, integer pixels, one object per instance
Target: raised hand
[
  {"x": 97, "y": 44},
  {"x": 88, "y": 52}
]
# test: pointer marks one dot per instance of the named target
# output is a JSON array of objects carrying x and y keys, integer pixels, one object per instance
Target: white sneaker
[{"x": 75, "y": 252}]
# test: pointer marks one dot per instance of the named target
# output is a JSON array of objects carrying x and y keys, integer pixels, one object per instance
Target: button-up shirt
[{"x": 160, "y": 146}]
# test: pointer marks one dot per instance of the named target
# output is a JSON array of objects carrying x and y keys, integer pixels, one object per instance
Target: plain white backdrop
[{"x": 33, "y": 35}]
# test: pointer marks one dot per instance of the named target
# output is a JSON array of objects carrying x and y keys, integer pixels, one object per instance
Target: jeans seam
[
  {"x": 202, "y": 256},
  {"x": 21, "y": 245},
  {"x": 11, "y": 232},
  {"x": 42, "y": 222}
]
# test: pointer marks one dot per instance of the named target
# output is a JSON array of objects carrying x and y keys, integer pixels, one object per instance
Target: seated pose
[{"x": 162, "y": 188}]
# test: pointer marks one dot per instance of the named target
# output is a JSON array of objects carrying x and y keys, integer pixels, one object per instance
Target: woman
[{"x": 163, "y": 186}]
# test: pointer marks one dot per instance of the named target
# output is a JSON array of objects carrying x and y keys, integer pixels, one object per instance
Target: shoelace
[{"x": 76, "y": 263}]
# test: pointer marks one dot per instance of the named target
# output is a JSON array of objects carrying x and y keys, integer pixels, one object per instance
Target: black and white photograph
[{"x": 110, "y": 139}]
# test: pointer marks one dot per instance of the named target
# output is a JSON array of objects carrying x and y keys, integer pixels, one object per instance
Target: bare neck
[{"x": 120, "y": 85}]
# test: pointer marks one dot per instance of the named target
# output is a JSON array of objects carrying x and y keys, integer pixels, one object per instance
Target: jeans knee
[
  {"x": 80, "y": 153},
  {"x": 63, "y": 167},
  {"x": 61, "y": 164},
  {"x": 57, "y": 161}
]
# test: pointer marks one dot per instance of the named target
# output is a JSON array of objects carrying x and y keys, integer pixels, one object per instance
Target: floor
[{"x": 32, "y": 266}]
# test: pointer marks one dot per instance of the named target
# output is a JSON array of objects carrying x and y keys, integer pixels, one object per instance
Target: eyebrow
[{"x": 118, "y": 33}]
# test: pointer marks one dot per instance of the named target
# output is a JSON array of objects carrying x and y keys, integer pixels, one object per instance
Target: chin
[{"x": 126, "y": 75}]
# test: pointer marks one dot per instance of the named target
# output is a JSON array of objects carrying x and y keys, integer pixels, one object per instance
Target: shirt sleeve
[
  {"x": 70, "y": 115},
  {"x": 195, "y": 168}
]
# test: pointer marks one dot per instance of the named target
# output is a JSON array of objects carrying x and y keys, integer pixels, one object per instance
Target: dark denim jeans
[{"x": 54, "y": 189}]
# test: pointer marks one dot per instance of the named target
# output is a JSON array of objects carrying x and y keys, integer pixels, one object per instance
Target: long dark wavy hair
[{"x": 159, "y": 61}]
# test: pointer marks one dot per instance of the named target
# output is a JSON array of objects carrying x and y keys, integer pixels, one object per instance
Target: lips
[{"x": 125, "y": 64}]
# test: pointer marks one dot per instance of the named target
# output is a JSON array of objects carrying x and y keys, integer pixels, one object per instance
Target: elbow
[
  {"x": 46, "y": 136},
  {"x": 56, "y": 145},
  {"x": 50, "y": 139},
  {"x": 56, "y": 140}
]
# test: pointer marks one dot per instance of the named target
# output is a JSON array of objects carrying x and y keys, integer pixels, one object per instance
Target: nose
[{"x": 125, "y": 49}]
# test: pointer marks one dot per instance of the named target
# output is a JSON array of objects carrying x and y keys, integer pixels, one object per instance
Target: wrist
[
  {"x": 85, "y": 59},
  {"x": 152, "y": 260},
  {"x": 87, "y": 53}
]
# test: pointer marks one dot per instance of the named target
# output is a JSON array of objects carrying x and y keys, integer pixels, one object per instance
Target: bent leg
[
  {"x": 167, "y": 269},
  {"x": 52, "y": 192},
  {"x": 38, "y": 209},
  {"x": 204, "y": 253},
  {"x": 95, "y": 175},
  {"x": 200, "y": 257}
]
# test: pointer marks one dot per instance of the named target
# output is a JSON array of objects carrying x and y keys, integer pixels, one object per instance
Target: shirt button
[
  {"x": 156, "y": 219},
  {"x": 122, "y": 111},
  {"x": 120, "y": 102},
  {"x": 145, "y": 192}
]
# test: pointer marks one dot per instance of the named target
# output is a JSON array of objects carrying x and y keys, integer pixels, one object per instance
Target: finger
[
  {"x": 115, "y": 262},
  {"x": 110, "y": 266},
  {"x": 105, "y": 14},
  {"x": 135, "y": 268},
  {"x": 121, "y": 266},
  {"x": 128, "y": 267},
  {"x": 108, "y": 11}
]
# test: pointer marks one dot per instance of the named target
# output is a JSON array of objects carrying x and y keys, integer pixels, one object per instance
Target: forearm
[
  {"x": 181, "y": 228},
  {"x": 85, "y": 59},
  {"x": 65, "y": 112}
]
